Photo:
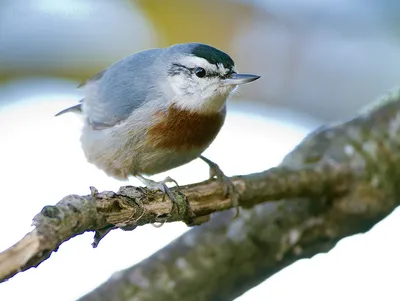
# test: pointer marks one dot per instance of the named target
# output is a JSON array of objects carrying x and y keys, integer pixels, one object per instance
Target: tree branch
[{"x": 132, "y": 207}]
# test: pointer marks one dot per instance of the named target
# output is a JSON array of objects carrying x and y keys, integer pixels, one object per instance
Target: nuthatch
[{"x": 156, "y": 110}]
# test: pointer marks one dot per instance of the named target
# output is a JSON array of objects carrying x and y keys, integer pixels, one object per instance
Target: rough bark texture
[
  {"x": 339, "y": 181},
  {"x": 132, "y": 207},
  {"x": 224, "y": 258}
]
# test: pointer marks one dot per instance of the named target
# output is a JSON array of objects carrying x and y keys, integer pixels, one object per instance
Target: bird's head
[{"x": 202, "y": 77}]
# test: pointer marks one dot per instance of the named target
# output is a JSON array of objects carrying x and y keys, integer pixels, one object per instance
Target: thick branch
[{"x": 132, "y": 207}]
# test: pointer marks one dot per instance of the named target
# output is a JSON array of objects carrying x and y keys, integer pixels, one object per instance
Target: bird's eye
[{"x": 200, "y": 72}]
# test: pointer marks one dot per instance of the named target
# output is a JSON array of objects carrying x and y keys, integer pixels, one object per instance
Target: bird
[{"x": 156, "y": 110}]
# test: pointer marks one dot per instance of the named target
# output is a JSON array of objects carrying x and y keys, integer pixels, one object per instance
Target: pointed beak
[{"x": 239, "y": 79}]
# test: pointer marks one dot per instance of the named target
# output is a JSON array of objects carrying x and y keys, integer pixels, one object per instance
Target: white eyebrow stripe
[{"x": 194, "y": 61}]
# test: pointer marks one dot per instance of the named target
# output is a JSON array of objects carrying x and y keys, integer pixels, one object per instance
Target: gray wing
[
  {"x": 113, "y": 94},
  {"x": 123, "y": 87}
]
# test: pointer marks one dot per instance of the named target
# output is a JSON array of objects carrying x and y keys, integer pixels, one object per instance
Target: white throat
[{"x": 207, "y": 100}]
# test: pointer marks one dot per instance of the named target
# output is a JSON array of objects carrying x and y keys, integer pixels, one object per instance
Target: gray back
[{"x": 126, "y": 85}]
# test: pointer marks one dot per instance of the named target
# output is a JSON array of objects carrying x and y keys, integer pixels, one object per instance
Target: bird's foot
[
  {"x": 228, "y": 187},
  {"x": 162, "y": 186}
]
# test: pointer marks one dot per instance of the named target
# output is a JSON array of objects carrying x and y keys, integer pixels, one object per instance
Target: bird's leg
[
  {"x": 162, "y": 185},
  {"x": 227, "y": 185}
]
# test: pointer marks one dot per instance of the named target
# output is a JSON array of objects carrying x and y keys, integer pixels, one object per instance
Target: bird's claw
[
  {"x": 162, "y": 186},
  {"x": 228, "y": 188}
]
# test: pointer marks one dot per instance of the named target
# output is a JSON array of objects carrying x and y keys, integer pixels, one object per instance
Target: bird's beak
[{"x": 239, "y": 79}]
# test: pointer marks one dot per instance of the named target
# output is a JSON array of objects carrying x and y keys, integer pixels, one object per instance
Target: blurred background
[{"x": 320, "y": 61}]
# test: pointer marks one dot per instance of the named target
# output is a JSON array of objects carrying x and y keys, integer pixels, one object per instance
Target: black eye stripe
[{"x": 176, "y": 69}]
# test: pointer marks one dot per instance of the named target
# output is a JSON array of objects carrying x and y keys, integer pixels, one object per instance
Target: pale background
[{"x": 319, "y": 60}]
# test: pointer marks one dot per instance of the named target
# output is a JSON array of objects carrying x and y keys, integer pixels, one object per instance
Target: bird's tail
[{"x": 76, "y": 109}]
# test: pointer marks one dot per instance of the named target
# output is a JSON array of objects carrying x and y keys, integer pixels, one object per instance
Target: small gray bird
[{"x": 156, "y": 110}]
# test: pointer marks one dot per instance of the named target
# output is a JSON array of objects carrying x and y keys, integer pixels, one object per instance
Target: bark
[
  {"x": 340, "y": 180},
  {"x": 132, "y": 207}
]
